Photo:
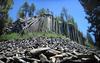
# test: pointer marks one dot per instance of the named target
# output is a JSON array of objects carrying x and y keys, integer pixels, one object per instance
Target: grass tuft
[{"x": 28, "y": 35}]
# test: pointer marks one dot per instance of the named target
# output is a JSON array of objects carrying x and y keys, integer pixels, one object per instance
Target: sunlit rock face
[
  {"x": 47, "y": 23},
  {"x": 36, "y": 23},
  {"x": 46, "y": 50}
]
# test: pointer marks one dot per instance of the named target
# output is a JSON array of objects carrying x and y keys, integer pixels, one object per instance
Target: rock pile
[{"x": 46, "y": 50}]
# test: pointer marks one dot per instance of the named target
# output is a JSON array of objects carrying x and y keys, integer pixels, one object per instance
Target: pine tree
[
  {"x": 21, "y": 13},
  {"x": 41, "y": 12},
  {"x": 90, "y": 40},
  {"x": 5, "y": 6},
  {"x": 92, "y": 9},
  {"x": 32, "y": 9},
  {"x": 25, "y": 8}
]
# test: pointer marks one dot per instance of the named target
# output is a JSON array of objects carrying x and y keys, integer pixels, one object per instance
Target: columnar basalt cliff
[{"x": 48, "y": 23}]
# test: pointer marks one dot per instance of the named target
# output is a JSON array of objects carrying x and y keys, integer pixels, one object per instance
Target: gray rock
[
  {"x": 35, "y": 62},
  {"x": 1, "y": 61},
  {"x": 43, "y": 58},
  {"x": 19, "y": 60},
  {"x": 43, "y": 49}
]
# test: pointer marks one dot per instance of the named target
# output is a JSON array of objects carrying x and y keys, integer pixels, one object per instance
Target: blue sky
[{"x": 73, "y": 6}]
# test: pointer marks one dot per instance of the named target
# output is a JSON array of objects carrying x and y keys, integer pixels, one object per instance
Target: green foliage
[
  {"x": 12, "y": 36},
  {"x": 25, "y": 8},
  {"x": 21, "y": 13},
  {"x": 32, "y": 9},
  {"x": 64, "y": 14},
  {"x": 92, "y": 9},
  {"x": 90, "y": 40},
  {"x": 5, "y": 6},
  {"x": 46, "y": 34},
  {"x": 41, "y": 12},
  {"x": 27, "y": 35}
]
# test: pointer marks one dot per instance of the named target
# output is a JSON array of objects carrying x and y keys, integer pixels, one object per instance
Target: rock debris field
[{"x": 46, "y": 50}]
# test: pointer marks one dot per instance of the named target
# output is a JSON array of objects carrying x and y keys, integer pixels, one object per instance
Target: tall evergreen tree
[
  {"x": 64, "y": 16},
  {"x": 21, "y": 13},
  {"x": 5, "y": 6},
  {"x": 41, "y": 12},
  {"x": 25, "y": 8},
  {"x": 92, "y": 9},
  {"x": 32, "y": 9},
  {"x": 90, "y": 40}
]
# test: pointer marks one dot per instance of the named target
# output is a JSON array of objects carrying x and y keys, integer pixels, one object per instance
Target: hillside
[{"x": 46, "y": 50}]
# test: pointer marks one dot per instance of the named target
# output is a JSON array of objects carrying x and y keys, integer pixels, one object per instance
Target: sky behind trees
[{"x": 73, "y": 7}]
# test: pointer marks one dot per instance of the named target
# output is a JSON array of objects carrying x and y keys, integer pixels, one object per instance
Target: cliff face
[
  {"x": 48, "y": 23},
  {"x": 33, "y": 24}
]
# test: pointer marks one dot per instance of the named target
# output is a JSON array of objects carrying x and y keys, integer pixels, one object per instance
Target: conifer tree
[
  {"x": 92, "y": 9},
  {"x": 5, "y": 6}
]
